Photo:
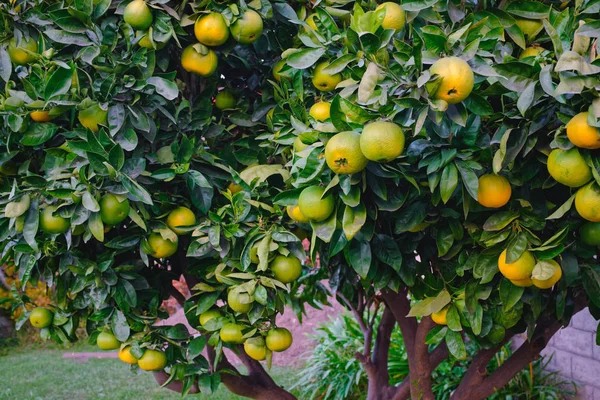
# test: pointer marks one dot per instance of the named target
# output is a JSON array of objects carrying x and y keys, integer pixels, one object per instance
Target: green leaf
[
  {"x": 510, "y": 294},
  {"x": 167, "y": 89},
  {"x": 444, "y": 240},
  {"x": 30, "y": 228},
  {"x": 324, "y": 230},
  {"x": 562, "y": 210},
  {"x": 436, "y": 335},
  {"x": 387, "y": 251},
  {"x": 499, "y": 220},
  {"x": 455, "y": 345},
  {"x": 417, "y": 5},
  {"x": 430, "y": 305},
  {"x": 469, "y": 179},
  {"x": 358, "y": 255},
  {"x": 543, "y": 270},
  {"x": 120, "y": 327},
  {"x": 67, "y": 38},
  {"x": 136, "y": 190},
  {"x": 59, "y": 83},
  {"x": 516, "y": 247},
  {"x": 353, "y": 220},
  {"x": 38, "y": 134},
  {"x": 96, "y": 226},
  {"x": 453, "y": 319},
  {"x": 196, "y": 347},
  {"x": 528, "y": 9},
  {"x": 448, "y": 182},
  {"x": 305, "y": 58},
  {"x": 17, "y": 208},
  {"x": 5, "y": 65}
]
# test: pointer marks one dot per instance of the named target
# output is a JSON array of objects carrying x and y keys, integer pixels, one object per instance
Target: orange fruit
[
  {"x": 313, "y": 206},
  {"x": 320, "y": 111},
  {"x": 107, "y": 341},
  {"x": 295, "y": 214},
  {"x": 382, "y": 141},
  {"x": 548, "y": 283},
  {"x": 200, "y": 61},
  {"x": 232, "y": 333},
  {"x": 581, "y": 134},
  {"x": 161, "y": 248},
  {"x": 520, "y": 269},
  {"x": 19, "y": 54},
  {"x": 587, "y": 202},
  {"x": 590, "y": 233},
  {"x": 533, "y": 51},
  {"x": 286, "y": 269},
  {"x": 569, "y": 167},
  {"x": 138, "y": 15},
  {"x": 343, "y": 154},
  {"x": 153, "y": 360},
  {"x": 208, "y": 315},
  {"x": 211, "y": 29},
  {"x": 255, "y": 348},
  {"x": 40, "y": 116},
  {"x": 225, "y": 100},
  {"x": 529, "y": 27},
  {"x": 181, "y": 217},
  {"x": 494, "y": 191},
  {"x": 395, "y": 17},
  {"x": 279, "y": 339},
  {"x": 234, "y": 301},
  {"x": 126, "y": 356},
  {"x": 457, "y": 79},
  {"x": 440, "y": 316},
  {"x": 53, "y": 224},
  {"x": 41, "y": 317},
  {"x": 522, "y": 282},
  {"x": 248, "y": 28},
  {"x": 323, "y": 81},
  {"x": 113, "y": 211}
]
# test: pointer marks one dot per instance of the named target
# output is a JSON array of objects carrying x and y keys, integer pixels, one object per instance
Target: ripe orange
[
  {"x": 569, "y": 167},
  {"x": 161, "y": 248},
  {"x": 320, "y": 111},
  {"x": 590, "y": 233},
  {"x": 41, "y": 317},
  {"x": 40, "y": 116},
  {"x": 494, "y": 191},
  {"x": 520, "y": 269},
  {"x": 323, "y": 81},
  {"x": 581, "y": 134},
  {"x": 440, "y": 316},
  {"x": 211, "y": 29},
  {"x": 232, "y": 333},
  {"x": 54, "y": 224},
  {"x": 313, "y": 206},
  {"x": 295, "y": 214},
  {"x": 113, "y": 211},
  {"x": 279, "y": 339},
  {"x": 286, "y": 269},
  {"x": 107, "y": 341},
  {"x": 382, "y": 141},
  {"x": 248, "y": 28},
  {"x": 587, "y": 202},
  {"x": 395, "y": 17},
  {"x": 527, "y": 282},
  {"x": 343, "y": 154},
  {"x": 457, "y": 79},
  {"x": 200, "y": 61},
  {"x": 153, "y": 360},
  {"x": 91, "y": 115},
  {"x": 548, "y": 283},
  {"x": 181, "y": 217},
  {"x": 126, "y": 356}
]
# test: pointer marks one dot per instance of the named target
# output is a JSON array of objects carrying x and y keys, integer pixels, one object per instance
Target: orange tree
[{"x": 439, "y": 155}]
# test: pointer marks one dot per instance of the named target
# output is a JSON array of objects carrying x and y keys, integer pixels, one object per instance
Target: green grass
[{"x": 42, "y": 373}]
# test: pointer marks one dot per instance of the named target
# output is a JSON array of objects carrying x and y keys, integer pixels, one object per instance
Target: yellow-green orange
[
  {"x": 248, "y": 28},
  {"x": 200, "y": 63},
  {"x": 279, "y": 339},
  {"x": 343, "y": 154},
  {"x": 234, "y": 302},
  {"x": 313, "y": 206},
  {"x": 581, "y": 134},
  {"x": 532, "y": 51},
  {"x": 180, "y": 217},
  {"x": 232, "y": 333},
  {"x": 225, "y": 100},
  {"x": 590, "y": 233},
  {"x": 92, "y": 117},
  {"x": 107, "y": 341},
  {"x": 208, "y": 315},
  {"x": 256, "y": 348},
  {"x": 211, "y": 29},
  {"x": 382, "y": 141},
  {"x": 153, "y": 360},
  {"x": 41, "y": 317},
  {"x": 518, "y": 270},
  {"x": 40, "y": 116},
  {"x": 19, "y": 53},
  {"x": 295, "y": 214},
  {"x": 161, "y": 248},
  {"x": 494, "y": 191},
  {"x": 587, "y": 202},
  {"x": 276, "y": 71},
  {"x": 323, "y": 81},
  {"x": 286, "y": 269},
  {"x": 569, "y": 167},
  {"x": 456, "y": 77},
  {"x": 529, "y": 27},
  {"x": 54, "y": 224},
  {"x": 138, "y": 15},
  {"x": 395, "y": 17},
  {"x": 527, "y": 282},
  {"x": 320, "y": 111},
  {"x": 113, "y": 211},
  {"x": 548, "y": 283}
]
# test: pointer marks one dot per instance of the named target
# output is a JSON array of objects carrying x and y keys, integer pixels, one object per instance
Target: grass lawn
[{"x": 42, "y": 373}]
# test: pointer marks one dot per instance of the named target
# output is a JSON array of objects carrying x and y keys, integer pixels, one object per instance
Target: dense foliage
[{"x": 444, "y": 147}]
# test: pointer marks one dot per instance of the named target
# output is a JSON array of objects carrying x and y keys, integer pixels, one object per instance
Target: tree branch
[
  {"x": 402, "y": 391},
  {"x": 399, "y": 304}
]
